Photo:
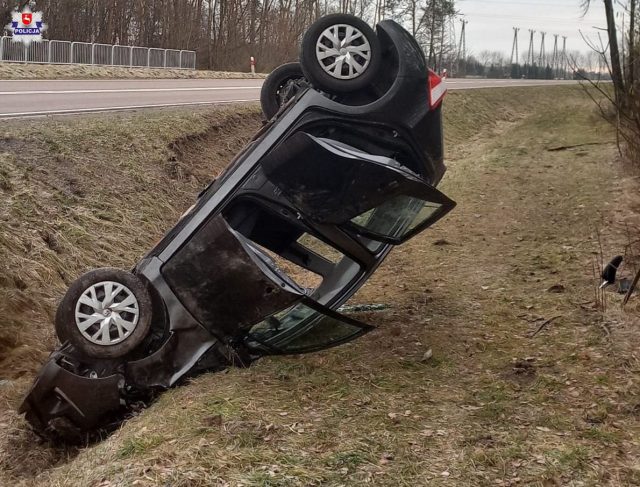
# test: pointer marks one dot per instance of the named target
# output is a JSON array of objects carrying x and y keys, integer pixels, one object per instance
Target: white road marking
[
  {"x": 107, "y": 109},
  {"x": 111, "y": 80},
  {"x": 454, "y": 84},
  {"x": 126, "y": 90},
  {"x": 527, "y": 85}
]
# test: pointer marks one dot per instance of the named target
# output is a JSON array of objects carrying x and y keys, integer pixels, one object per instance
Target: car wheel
[
  {"x": 106, "y": 313},
  {"x": 340, "y": 53},
  {"x": 282, "y": 84}
]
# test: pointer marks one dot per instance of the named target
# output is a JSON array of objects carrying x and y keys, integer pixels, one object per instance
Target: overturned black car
[{"x": 344, "y": 170}]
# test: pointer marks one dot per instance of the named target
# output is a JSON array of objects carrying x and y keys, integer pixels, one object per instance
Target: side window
[
  {"x": 305, "y": 327},
  {"x": 302, "y": 277},
  {"x": 319, "y": 247},
  {"x": 283, "y": 241},
  {"x": 397, "y": 218}
]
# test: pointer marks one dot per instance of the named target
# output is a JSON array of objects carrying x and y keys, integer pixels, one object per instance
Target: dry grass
[
  {"x": 492, "y": 406},
  {"x": 77, "y": 193},
  {"x": 79, "y": 71}
]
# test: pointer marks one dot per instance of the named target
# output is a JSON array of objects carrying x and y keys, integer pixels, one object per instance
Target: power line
[
  {"x": 530, "y": 4},
  {"x": 556, "y": 20}
]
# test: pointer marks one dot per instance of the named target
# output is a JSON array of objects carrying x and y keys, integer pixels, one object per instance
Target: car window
[
  {"x": 396, "y": 218},
  {"x": 303, "y": 328}
]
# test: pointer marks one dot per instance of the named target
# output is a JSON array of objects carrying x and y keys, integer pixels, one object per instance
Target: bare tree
[
  {"x": 225, "y": 33},
  {"x": 625, "y": 73}
]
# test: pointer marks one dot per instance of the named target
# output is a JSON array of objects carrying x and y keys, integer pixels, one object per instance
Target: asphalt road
[{"x": 32, "y": 98}]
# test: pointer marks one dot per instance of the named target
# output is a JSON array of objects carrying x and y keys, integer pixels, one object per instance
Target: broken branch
[
  {"x": 544, "y": 325},
  {"x": 631, "y": 289}
]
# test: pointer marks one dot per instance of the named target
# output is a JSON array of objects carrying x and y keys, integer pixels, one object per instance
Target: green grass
[
  {"x": 601, "y": 435},
  {"x": 132, "y": 447}
]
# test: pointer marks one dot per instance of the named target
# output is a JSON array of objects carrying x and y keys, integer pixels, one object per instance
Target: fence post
[
  {"x": 148, "y": 57},
  {"x": 49, "y": 53},
  {"x": 113, "y": 48},
  {"x": 93, "y": 51},
  {"x": 131, "y": 56},
  {"x": 164, "y": 61},
  {"x": 1, "y": 48},
  {"x": 180, "y": 60},
  {"x": 73, "y": 44}
]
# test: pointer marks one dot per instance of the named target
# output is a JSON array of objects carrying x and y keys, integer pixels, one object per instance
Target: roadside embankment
[{"x": 83, "y": 71}]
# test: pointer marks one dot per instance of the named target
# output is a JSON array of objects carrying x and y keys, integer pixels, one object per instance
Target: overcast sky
[{"x": 491, "y": 23}]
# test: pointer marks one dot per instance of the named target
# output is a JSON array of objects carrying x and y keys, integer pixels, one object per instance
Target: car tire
[
  {"x": 282, "y": 84},
  {"x": 106, "y": 313},
  {"x": 323, "y": 47}
]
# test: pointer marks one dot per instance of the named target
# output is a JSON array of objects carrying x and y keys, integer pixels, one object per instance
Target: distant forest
[{"x": 226, "y": 33}]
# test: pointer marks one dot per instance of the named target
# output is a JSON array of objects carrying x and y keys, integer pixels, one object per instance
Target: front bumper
[{"x": 59, "y": 397}]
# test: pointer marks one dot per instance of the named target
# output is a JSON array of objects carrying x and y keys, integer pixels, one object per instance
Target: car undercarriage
[{"x": 345, "y": 170}]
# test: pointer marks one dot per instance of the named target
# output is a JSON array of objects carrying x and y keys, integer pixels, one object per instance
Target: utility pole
[
  {"x": 542, "y": 56},
  {"x": 515, "y": 61},
  {"x": 624, "y": 59},
  {"x": 514, "y": 48},
  {"x": 554, "y": 62},
  {"x": 564, "y": 57},
  {"x": 443, "y": 34},
  {"x": 452, "y": 44},
  {"x": 530, "y": 69},
  {"x": 530, "y": 56},
  {"x": 462, "y": 48}
]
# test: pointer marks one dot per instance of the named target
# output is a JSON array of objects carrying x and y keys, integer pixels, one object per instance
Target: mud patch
[
  {"x": 23, "y": 455},
  {"x": 522, "y": 371},
  {"x": 187, "y": 155}
]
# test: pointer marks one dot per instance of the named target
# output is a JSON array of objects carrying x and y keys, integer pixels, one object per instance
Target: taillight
[{"x": 437, "y": 90}]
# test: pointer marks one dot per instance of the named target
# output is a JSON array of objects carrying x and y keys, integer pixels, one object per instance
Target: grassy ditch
[{"x": 453, "y": 388}]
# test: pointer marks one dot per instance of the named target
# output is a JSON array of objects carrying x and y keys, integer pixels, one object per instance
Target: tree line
[
  {"x": 226, "y": 33},
  {"x": 495, "y": 64}
]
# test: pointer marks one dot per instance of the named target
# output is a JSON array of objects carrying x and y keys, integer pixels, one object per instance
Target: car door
[{"x": 372, "y": 196}]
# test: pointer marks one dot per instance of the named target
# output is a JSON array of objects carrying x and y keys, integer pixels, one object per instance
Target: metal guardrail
[{"x": 67, "y": 52}]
